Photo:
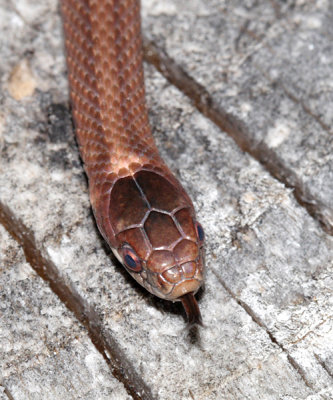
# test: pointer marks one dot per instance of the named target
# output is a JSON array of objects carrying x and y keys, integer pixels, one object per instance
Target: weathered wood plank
[
  {"x": 267, "y": 304},
  {"x": 268, "y": 65},
  {"x": 45, "y": 352}
]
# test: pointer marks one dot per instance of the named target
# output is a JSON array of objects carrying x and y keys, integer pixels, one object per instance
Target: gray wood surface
[
  {"x": 240, "y": 98},
  {"x": 45, "y": 352}
]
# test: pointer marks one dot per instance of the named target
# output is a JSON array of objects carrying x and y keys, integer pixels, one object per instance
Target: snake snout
[{"x": 175, "y": 281}]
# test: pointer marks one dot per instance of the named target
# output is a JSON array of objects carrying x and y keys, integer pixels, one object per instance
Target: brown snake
[{"x": 141, "y": 209}]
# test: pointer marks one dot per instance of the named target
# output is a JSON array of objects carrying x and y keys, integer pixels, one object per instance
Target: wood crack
[
  {"x": 7, "y": 392},
  {"x": 115, "y": 358},
  {"x": 236, "y": 129},
  {"x": 279, "y": 83},
  {"x": 312, "y": 331},
  {"x": 256, "y": 319},
  {"x": 323, "y": 365}
]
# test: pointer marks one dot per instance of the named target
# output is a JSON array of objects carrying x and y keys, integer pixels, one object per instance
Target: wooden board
[{"x": 267, "y": 304}]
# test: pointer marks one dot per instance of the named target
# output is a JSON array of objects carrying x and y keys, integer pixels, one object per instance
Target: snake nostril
[
  {"x": 172, "y": 275},
  {"x": 159, "y": 283}
]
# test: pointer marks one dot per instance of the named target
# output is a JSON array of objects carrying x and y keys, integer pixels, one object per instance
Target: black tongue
[{"x": 192, "y": 309}]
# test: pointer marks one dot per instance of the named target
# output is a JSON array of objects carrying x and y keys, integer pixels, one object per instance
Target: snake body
[{"x": 141, "y": 209}]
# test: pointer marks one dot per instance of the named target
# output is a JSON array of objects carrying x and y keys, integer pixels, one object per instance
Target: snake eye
[
  {"x": 200, "y": 232},
  {"x": 131, "y": 259}
]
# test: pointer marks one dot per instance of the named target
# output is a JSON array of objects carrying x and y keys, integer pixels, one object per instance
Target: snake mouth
[{"x": 184, "y": 287}]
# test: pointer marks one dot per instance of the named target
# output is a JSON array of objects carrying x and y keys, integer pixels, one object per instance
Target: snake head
[{"x": 157, "y": 237}]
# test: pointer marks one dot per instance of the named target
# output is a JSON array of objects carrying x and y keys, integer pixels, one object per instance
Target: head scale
[{"x": 157, "y": 237}]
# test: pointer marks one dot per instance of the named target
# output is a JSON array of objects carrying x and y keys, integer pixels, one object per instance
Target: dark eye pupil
[
  {"x": 201, "y": 234},
  {"x": 130, "y": 262},
  {"x": 130, "y": 259}
]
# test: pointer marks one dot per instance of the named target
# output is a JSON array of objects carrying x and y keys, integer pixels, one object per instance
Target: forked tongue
[{"x": 192, "y": 309}]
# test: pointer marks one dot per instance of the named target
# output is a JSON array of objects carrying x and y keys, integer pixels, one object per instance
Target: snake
[{"x": 141, "y": 209}]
